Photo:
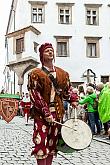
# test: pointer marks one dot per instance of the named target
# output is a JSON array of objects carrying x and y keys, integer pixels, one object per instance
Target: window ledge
[
  {"x": 37, "y": 2},
  {"x": 93, "y": 5},
  {"x": 65, "y": 4}
]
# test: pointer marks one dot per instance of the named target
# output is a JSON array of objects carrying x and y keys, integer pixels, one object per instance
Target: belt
[
  {"x": 52, "y": 109},
  {"x": 52, "y": 104}
]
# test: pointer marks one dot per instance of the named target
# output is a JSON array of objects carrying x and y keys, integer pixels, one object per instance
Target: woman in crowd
[{"x": 92, "y": 113}]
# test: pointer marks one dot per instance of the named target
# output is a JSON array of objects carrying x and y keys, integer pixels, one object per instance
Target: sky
[{"x": 5, "y": 6}]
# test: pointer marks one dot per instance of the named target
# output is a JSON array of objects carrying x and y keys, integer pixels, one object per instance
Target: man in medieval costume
[{"x": 47, "y": 87}]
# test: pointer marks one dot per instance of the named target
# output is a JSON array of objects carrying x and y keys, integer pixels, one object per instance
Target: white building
[{"x": 78, "y": 29}]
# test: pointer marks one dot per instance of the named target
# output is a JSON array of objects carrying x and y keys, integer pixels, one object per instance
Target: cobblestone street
[{"x": 16, "y": 145}]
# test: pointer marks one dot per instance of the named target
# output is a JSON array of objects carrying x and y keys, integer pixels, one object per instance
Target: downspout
[
  {"x": 14, "y": 72},
  {"x": 6, "y": 41}
]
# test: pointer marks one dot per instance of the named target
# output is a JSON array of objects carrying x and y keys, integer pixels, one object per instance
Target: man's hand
[
  {"x": 50, "y": 119},
  {"x": 74, "y": 104}
]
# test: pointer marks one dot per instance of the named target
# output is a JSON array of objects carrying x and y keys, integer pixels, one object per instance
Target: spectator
[
  {"x": 92, "y": 113},
  {"x": 104, "y": 106},
  {"x": 26, "y": 105}
]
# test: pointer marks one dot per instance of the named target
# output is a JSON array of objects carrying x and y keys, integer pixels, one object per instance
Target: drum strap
[{"x": 53, "y": 80}]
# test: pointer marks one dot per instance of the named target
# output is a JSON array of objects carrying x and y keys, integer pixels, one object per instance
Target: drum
[{"x": 76, "y": 134}]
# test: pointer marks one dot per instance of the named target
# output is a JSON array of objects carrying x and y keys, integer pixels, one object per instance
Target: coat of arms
[{"x": 8, "y": 107}]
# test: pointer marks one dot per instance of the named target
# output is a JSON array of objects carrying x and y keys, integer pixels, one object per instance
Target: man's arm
[{"x": 36, "y": 99}]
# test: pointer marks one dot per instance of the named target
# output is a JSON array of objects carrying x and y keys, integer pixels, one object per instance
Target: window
[
  {"x": 19, "y": 45},
  {"x": 62, "y": 49},
  {"x": 62, "y": 46},
  {"x": 65, "y": 13},
  {"x": 92, "y": 47},
  {"x": 38, "y": 11},
  {"x": 35, "y": 46},
  {"x": 38, "y": 14},
  {"x": 91, "y": 50},
  {"x": 92, "y": 14},
  {"x": 105, "y": 79}
]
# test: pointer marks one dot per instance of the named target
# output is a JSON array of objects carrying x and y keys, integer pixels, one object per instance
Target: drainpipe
[{"x": 14, "y": 30}]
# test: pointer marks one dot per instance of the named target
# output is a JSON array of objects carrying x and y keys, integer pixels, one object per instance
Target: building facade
[{"x": 78, "y": 30}]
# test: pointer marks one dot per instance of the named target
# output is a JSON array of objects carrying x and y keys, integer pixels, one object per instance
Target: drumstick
[
  {"x": 75, "y": 113},
  {"x": 62, "y": 124}
]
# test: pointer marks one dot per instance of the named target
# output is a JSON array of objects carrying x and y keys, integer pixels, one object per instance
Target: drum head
[{"x": 79, "y": 136}]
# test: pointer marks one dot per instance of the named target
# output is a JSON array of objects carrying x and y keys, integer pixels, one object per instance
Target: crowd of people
[{"x": 93, "y": 106}]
